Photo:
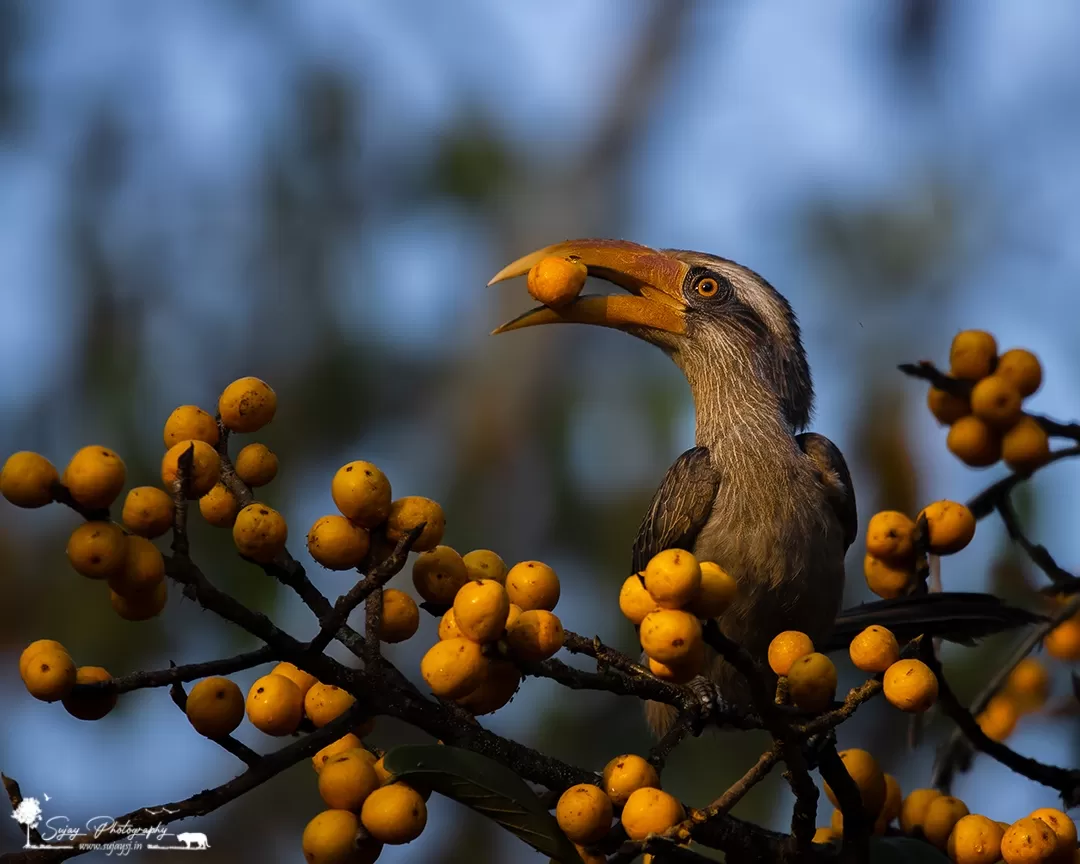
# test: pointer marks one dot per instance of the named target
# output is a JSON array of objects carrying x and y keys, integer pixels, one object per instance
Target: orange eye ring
[{"x": 707, "y": 287}]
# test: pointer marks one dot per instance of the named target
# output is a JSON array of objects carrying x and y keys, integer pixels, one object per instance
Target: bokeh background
[{"x": 316, "y": 193}]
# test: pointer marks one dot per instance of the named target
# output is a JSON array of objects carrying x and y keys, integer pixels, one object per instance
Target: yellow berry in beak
[{"x": 556, "y": 281}]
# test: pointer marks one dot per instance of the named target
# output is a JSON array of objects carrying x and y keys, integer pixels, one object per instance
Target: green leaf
[
  {"x": 904, "y": 850},
  {"x": 487, "y": 787}
]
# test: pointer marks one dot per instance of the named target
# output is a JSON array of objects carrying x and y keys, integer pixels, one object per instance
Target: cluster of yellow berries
[
  {"x": 50, "y": 675},
  {"x": 1047, "y": 835},
  {"x": 1026, "y": 690},
  {"x": 556, "y": 281},
  {"x": 630, "y": 787},
  {"x": 909, "y": 685},
  {"x": 667, "y": 602},
  {"x": 990, "y": 424},
  {"x": 496, "y": 619},
  {"x": 889, "y": 565},
  {"x": 367, "y": 514}
]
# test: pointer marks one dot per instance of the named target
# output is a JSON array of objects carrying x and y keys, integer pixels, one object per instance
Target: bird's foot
[
  {"x": 712, "y": 707},
  {"x": 814, "y": 746}
]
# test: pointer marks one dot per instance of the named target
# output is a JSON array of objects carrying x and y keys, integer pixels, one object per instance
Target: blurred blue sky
[{"x": 769, "y": 107}]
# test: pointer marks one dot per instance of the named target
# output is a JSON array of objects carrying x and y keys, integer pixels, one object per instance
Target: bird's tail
[{"x": 954, "y": 616}]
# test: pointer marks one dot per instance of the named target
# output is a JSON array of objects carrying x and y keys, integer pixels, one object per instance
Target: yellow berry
[
  {"x": 453, "y": 668},
  {"x": 624, "y": 775},
  {"x": 1028, "y": 684},
  {"x": 205, "y": 467},
  {"x": 533, "y": 585},
  {"x": 869, "y": 778},
  {"x": 1028, "y": 841},
  {"x": 247, "y": 405},
  {"x": 485, "y": 564},
  {"x": 50, "y": 675},
  {"x": 256, "y": 464},
  {"x": 33, "y": 648},
  {"x": 682, "y": 671},
  {"x": 536, "y": 635},
  {"x": 716, "y": 592},
  {"x": 946, "y": 407},
  {"x": 90, "y": 706},
  {"x": 556, "y": 281},
  {"x": 996, "y": 401},
  {"x": 190, "y": 423},
  {"x": 950, "y": 526},
  {"x": 500, "y": 683},
  {"x": 215, "y": 707},
  {"x": 331, "y": 838},
  {"x": 94, "y": 476},
  {"x": 274, "y": 705},
  {"x": 1022, "y": 368},
  {"x": 825, "y": 834},
  {"x": 1063, "y": 827},
  {"x": 1026, "y": 446},
  {"x": 439, "y": 574},
  {"x": 349, "y": 741},
  {"x": 480, "y": 610},
  {"x": 27, "y": 479},
  {"x": 894, "y": 797},
  {"x": 400, "y": 616},
  {"x": 888, "y": 580},
  {"x": 973, "y": 442},
  {"x": 650, "y": 811},
  {"x": 972, "y": 354},
  {"x": 836, "y": 822},
  {"x": 913, "y": 810},
  {"x": 999, "y": 718},
  {"x": 394, "y": 814},
  {"x": 812, "y": 682},
  {"x": 942, "y": 814},
  {"x": 406, "y": 513},
  {"x": 975, "y": 840},
  {"x": 303, "y": 680},
  {"x": 324, "y": 703},
  {"x": 97, "y": 550},
  {"x": 219, "y": 506},
  {"x": 142, "y": 605},
  {"x": 670, "y": 635},
  {"x": 260, "y": 533},
  {"x": 381, "y": 772},
  {"x": 148, "y": 511},
  {"x": 891, "y": 536},
  {"x": 673, "y": 578},
  {"x": 1063, "y": 642},
  {"x": 910, "y": 686},
  {"x": 448, "y": 628},
  {"x": 584, "y": 813},
  {"x": 512, "y": 616},
  {"x": 362, "y": 493},
  {"x": 346, "y": 779},
  {"x": 786, "y": 648},
  {"x": 875, "y": 649},
  {"x": 144, "y": 568},
  {"x": 337, "y": 543},
  {"x": 634, "y": 601}
]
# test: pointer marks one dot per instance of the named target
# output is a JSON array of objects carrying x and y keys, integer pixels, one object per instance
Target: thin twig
[
  {"x": 857, "y": 825},
  {"x": 189, "y": 672},
  {"x": 1040, "y": 556},
  {"x": 957, "y": 749}
]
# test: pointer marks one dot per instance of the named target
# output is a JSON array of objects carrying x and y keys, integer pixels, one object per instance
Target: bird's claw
[
  {"x": 814, "y": 746},
  {"x": 710, "y": 706}
]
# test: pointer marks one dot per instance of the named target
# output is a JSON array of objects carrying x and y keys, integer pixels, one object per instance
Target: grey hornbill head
[{"x": 719, "y": 321}]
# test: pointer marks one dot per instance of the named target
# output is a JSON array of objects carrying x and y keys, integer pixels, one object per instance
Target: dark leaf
[{"x": 487, "y": 787}]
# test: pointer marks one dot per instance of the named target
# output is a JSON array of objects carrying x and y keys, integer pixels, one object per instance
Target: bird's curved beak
[{"x": 653, "y": 279}]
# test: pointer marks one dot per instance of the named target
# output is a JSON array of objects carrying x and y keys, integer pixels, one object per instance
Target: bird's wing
[
  {"x": 954, "y": 616},
  {"x": 680, "y": 507},
  {"x": 837, "y": 479}
]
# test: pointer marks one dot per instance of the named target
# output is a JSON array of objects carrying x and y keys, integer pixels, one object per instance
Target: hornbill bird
[{"x": 769, "y": 503}]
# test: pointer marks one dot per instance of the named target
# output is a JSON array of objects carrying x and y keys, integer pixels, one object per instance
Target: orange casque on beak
[{"x": 653, "y": 279}]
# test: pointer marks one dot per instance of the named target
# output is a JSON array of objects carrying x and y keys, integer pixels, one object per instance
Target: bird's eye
[{"x": 707, "y": 287}]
